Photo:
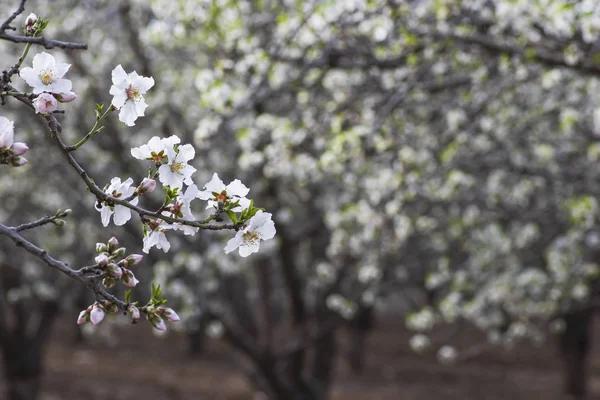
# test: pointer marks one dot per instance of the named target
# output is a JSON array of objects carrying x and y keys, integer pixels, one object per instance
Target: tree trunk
[
  {"x": 574, "y": 347},
  {"x": 361, "y": 325}
]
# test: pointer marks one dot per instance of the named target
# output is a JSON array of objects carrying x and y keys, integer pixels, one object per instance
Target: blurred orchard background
[{"x": 433, "y": 170}]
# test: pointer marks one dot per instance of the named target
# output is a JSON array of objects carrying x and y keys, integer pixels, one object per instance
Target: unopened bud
[
  {"x": 17, "y": 162},
  {"x": 128, "y": 278},
  {"x": 59, "y": 222},
  {"x": 147, "y": 186},
  {"x": 134, "y": 259},
  {"x": 97, "y": 314},
  {"x": 157, "y": 322},
  {"x": 68, "y": 212},
  {"x": 101, "y": 248},
  {"x": 168, "y": 314},
  {"x": 84, "y": 317},
  {"x": 120, "y": 252},
  {"x": 19, "y": 148},
  {"x": 112, "y": 243},
  {"x": 102, "y": 259},
  {"x": 114, "y": 270},
  {"x": 66, "y": 97},
  {"x": 31, "y": 19},
  {"x": 134, "y": 312}
]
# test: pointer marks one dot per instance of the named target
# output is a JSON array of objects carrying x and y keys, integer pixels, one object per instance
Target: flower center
[
  {"x": 48, "y": 76},
  {"x": 176, "y": 167},
  {"x": 133, "y": 93},
  {"x": 251, "y": 237}
]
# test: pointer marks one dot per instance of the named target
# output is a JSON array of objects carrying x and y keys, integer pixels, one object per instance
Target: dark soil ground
[{"x": 138, "y": 365}]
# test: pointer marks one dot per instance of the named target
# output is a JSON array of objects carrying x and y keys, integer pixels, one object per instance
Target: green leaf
[
  {"x": 232, "y": 216},
  {"x": 128, "y": 296}
]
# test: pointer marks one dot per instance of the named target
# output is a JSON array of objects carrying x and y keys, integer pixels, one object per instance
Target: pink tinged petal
[
  {"x": 248, "y": 248},
  {"x": 83, "y": 317},
  {"x": 102, "y": 259},
  {"x": 134, "y": 312},
  {"x": 62, "y": 69},
  {"x": 134, "y": 259},
  {"x": 169, "y": 314},
  {"x": 237, "y": 188},
  {"x": 128, "y": 114},
  {"x": 97, "y": 315},
  {"x": 19, "y": 148},
  {"x": 66, "y": 97},
  {"x": 119, "y": 76},
  {"x": 17, "y": 162},
  {"x": 6, "y": 140},
  {"x": 158, "y": 323},
  {"x": 105, "y": 214}
]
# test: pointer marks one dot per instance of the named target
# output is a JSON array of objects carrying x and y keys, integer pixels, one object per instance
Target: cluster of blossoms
[
  {"x": 113, "y": 270},
  {"x": 170, "y": 159},
  {"x": 46, "y": 79},
  {"x": 10, "y": 151}
]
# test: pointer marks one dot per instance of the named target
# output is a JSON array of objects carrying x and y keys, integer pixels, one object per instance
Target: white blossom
[
  {"x": 177, "y": 171},
  {"x": 260, "y": 227},
  {"x": 46, "y": 75},
  {"x": 156, "y": 237},
  {"x": 117, "y": 189},
  {"x": 7, "y": 132},
  {"x": 128, "y": 91},
  {"x": 181, "y": 209},
  {"x": 155, "y": 149},
  {"x": 235, "y": 191}
]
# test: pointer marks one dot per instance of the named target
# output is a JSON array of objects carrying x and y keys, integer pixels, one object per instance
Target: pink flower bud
[
  {"x": 97, "y": 314},
  {"x": 109, "y": 282},
  {"x": 66, "y": 97},
  {"x": 102, "y": 259},
  {"x": 45, "y": 103},
  {"x": 19, "y": 148},
  {"x": 83, "y": 317},
  {"x": 120, "y": 252},
  {"x": 134, "y": 259},
  {"x": 113, "y": 243},
  {"x": 17, "y": 162},
  {"x": 128, "y": 278},
  {"x": 134, "y": 312},
  {"x": 31, "y": 19},
  {"x": 147, "y": 186},
  {"x": 169, "y": 314},
  {"x": 114, "y": 270},
  {"x": 158, "y": 322}
]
